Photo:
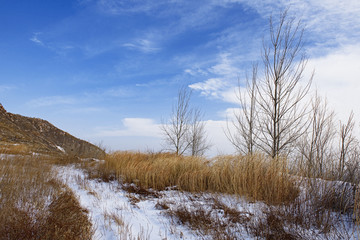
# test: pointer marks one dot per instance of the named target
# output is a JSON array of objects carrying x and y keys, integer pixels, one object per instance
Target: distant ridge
[{"x": 40, "y": 136}]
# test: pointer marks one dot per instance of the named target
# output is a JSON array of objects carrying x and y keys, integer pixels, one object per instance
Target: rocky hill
[{"x": 40, "y": 136}]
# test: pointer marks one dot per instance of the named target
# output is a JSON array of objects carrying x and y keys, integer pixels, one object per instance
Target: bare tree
[
  {"x": 185, "y": 130},
  {"x": 176, "y": 130},
  {"x": 281, "y": 112},
  {"x": 347, "y": 141},
  {"x": 197, "y": 134},
  {"x": 316, "y": 145},
  {"x": 244, "y": 137}
]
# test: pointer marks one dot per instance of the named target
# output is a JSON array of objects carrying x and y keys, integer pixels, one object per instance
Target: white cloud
[
  {"x": 196, "y": 71},
  {"x": 229, "y": 113},
  {"x": 221, "y": 85},
  {"x": 140, "y": 127},
  {"x": 216, "y": 136},
  {"x": 211, "y": 87},
  {"x": 230, "y": 95},
  {"x": 337, "y": 76},
  {"x": 225, "y": 66}
]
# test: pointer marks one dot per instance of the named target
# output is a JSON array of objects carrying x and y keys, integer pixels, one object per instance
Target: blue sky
[{"x": 108, "y": 70}]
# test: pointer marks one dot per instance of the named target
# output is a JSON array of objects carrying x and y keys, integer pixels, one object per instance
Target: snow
[
  {"x": 118, "y": 214},
  {"x": 60, "y": 148},
  {"x": 113, "y": 215}
]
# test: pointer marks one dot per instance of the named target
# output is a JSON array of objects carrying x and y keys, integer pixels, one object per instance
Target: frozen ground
[
  {"x": 120, "y": 214},
  {"x": 115, "y": 216}
]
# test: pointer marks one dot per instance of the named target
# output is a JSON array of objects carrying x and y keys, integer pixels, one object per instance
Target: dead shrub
[{"x": 34, "y": 205}]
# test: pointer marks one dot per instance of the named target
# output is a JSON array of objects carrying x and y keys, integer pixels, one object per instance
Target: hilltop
[{"x": 40, "y": 136}]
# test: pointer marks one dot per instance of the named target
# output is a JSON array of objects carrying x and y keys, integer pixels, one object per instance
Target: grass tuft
[{"x": 256, "y": 177}]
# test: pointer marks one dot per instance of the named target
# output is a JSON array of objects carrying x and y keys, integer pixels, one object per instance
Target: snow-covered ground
[
  {"x": 119, "y": 214},
  {"x": 113, "y": 214}
]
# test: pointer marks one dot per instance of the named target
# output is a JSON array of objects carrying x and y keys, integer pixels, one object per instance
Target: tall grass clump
[
  {"x": 256, "y": 177},
  {"x": 34, "y": 205}
]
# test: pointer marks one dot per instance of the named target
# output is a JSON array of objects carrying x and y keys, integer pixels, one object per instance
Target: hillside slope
[{"x": 40, "y": 136}]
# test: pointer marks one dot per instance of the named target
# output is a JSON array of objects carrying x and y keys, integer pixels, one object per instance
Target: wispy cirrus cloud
[
  {"x": 36, "y": 38},
  {"x": 115, "y": 7},
  {"x": 59, "y": 47},
  {"x": 52, "y": 100},
  {"x": 142, "y": 45},
  {"x": 83, "y": 99},
  {"x": 177, "y": 16},
  {"x": 329, "y": 23},
  {"x": 332, "y": 27}
]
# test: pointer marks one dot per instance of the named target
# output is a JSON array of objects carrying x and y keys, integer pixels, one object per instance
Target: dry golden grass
[
  {"x": 34, "y": 205},
  {"x": 255, "y": 177},
  {"x": 14, "y": 148}
]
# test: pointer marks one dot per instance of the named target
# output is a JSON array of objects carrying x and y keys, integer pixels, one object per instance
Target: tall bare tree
[
  {"x": 185, "y": 130},
  {"x": 244, "y": 137},
  {"x": 176, "y": 130},
  {"x": 281, "y": 112}
]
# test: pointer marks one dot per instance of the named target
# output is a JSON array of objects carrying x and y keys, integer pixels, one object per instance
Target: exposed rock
[{"x": 43, "y": 137}]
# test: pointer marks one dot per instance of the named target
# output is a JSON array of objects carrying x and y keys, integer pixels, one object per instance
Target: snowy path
[{"x": 114, "y": 216}]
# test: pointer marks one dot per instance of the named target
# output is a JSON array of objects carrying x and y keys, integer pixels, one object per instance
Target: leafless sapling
[
  {"x": 280, "y": 96},
  {"x": 185, "y": 131},
  {"x": 197, "y": 134}
]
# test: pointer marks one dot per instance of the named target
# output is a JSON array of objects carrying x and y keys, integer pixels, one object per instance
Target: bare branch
[{"x": 245, "y": 135}]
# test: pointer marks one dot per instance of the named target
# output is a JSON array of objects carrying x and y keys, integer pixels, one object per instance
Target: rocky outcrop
[{"x": 43, "y": 137}]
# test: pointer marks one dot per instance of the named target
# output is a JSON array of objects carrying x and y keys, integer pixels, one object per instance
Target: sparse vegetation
[
  {"x": 295, "y": 206},
  {"x": 35, "y": 205}
]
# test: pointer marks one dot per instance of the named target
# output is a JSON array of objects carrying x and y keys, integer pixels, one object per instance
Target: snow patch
[
  {"x": 61, "y": 149},
  {"x": 114, "y": 216}
]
